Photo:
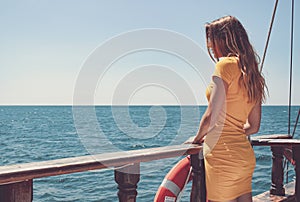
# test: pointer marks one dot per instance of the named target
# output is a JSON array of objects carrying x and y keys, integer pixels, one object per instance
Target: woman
[{"x": 234, "y": 111}]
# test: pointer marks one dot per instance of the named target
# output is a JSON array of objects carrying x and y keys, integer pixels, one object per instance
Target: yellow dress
[{"x": 229, "y": 157}]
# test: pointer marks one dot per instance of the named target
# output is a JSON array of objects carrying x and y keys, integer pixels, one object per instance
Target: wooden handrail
[
  {"x": 21, "y": 172},
  {"x": 282, "y": 140},
  {"x": 278, "y": 142},
  {"x": 281, "y": 145},
  {"x": 19, "y": 177},
  {"x": 273, "y": 136}
]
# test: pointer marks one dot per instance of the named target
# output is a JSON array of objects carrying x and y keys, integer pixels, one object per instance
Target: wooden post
[
  {"x": 127, "y": 179},
  {"x": 16, "y": 192},
  {"x": 277, "y": 171},
  {"x": 198, "y": 193},
  {"x": 296, "y": 157}
]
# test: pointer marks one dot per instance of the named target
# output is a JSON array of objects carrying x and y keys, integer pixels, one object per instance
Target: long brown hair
[{"x": 228, "y": 37}]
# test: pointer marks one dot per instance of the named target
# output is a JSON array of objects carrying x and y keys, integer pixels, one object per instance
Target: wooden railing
[
  {"x": 282, "y": 145},
  {"x": 16, "y": 181}
]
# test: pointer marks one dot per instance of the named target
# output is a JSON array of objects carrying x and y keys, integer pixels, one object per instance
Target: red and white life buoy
[{"x": 174, "y": 182}]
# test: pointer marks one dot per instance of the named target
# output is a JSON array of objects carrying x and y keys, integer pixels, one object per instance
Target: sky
[{"x": 46, "y": 47}]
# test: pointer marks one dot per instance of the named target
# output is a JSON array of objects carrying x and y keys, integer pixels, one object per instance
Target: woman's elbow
[
  {"x": 255, "y": 129},
  {"x": 206, "y": 119}
]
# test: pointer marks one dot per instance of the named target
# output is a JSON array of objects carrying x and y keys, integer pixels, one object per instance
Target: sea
[{"x": 41, "y": 133}]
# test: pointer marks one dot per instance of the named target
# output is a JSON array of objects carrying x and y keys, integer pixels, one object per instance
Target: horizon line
[{"x": 116, "y": 105}]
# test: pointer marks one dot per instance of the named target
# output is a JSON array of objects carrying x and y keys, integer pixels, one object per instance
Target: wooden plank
[
  {"x": 273, "y": 136},
  {"x": 275, "y": 142},
  {"x": 263, "y": 140},
  {"x": 17, "y": 192},
  {"x": 289, "y": 195},
  {"x": 22, "y": 172}
]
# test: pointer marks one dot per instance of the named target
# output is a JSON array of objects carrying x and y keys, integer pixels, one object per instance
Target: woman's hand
[
  {"x": 190, "y": 140},
  {"x": 198, "y": 140}
]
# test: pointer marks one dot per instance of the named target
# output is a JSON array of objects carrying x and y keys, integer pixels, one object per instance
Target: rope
[
  {"x": 291, "y": 66},
  {"x": 296, "y": 123},
  {"x": 185, "y": 183},
  {"x": 290, "y": 88},
  {"x": 286, "y": 160},
  {"x": 269, "y": 34}
]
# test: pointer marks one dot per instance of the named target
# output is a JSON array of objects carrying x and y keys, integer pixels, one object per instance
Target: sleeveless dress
[{"x": 229, "y": 157}]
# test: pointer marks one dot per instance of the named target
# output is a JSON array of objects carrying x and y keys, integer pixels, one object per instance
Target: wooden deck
[{"x": 266, "y": 196}]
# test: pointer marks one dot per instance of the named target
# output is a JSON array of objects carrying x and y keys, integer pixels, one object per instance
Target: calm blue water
[{"x": 38, "y": 133}]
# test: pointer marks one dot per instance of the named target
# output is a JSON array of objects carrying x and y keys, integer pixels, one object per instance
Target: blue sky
[{"x": 44, "y": 44}]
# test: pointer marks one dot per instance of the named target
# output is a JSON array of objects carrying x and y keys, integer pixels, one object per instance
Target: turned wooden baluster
[
  {"x": 16, "y": 192},
  {"x": 198, "y": 193},
  {"x": 296, "y": 157},
  {"x": 277, "y": 171},
  {"x": 127, "y": 179}
]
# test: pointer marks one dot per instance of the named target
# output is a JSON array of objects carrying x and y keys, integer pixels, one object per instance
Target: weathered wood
[
  {"x": 277, "y": 171},
  {"x": 22, "y": 172},
  {"x": 198, "y": 193},
  {"x": 127, "y": 179},
  {"x": 16, "y": 180},
  {"x": 296, "y": 157},
  {"x": 17, "y": 192},
  {"x": 275, "y": 142},
  {"x": 263, "y": 139},
  {"x": 288, "y": 197},
  {"x": 273, "y": 136}
]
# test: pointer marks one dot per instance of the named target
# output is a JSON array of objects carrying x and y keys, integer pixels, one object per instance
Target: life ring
[{"x": 174, "y": 182}]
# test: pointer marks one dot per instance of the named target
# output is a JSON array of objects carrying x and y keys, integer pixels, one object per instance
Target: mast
[{"x": 291, "y": 68}]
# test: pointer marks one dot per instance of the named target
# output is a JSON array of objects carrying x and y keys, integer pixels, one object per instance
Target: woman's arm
[
  {"x": 215, "y": 104},
  {"x": 253, "y": 122}
]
